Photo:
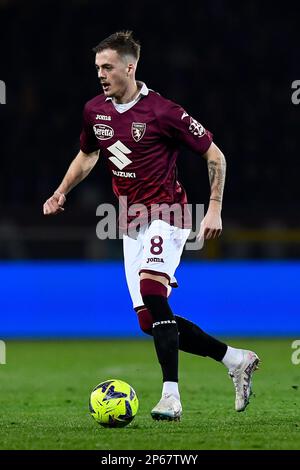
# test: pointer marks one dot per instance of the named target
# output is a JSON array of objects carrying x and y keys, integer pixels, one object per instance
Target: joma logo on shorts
[{"x": 155, "y": 260}]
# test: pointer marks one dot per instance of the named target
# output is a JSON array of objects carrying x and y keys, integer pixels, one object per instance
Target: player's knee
[
  {"x": 145, "y": 320},
  {"x": 154, "y": 295},
  {"x": 162, "y": 278},
  {"x": 152, "y": 287},
  {"x": 169, "y": 290}
]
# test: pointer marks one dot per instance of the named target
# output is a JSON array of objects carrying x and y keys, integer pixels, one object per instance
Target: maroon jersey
[{"x": 141, "y": 146}]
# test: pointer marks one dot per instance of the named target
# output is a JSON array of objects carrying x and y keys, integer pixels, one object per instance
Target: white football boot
[
  {"x": 242, "y": 379},
  {"x": 168, "y": 408}
]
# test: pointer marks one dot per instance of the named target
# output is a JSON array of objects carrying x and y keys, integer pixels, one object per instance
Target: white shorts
[{"x": 158, "y": 247}]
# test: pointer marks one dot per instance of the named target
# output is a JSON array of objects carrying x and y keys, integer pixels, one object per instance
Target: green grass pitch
[{"x": 45, "y": 387}]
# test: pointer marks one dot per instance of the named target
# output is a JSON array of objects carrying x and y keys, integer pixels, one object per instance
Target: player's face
[{"x": 113, "y": 72}]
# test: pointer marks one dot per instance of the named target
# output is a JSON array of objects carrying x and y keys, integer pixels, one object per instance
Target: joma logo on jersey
[
  {"x": 103, "y": 117},
  {"x": 103, "y": 131},
  {"x": 138, "y": 130},
  {"x": 155, "y": 260},
  {"x": 184, "y": 114}
]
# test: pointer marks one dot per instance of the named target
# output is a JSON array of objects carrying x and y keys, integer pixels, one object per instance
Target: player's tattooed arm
[
  {"x": 211, "y": 225},
  {"x": 216, "y": 164}
]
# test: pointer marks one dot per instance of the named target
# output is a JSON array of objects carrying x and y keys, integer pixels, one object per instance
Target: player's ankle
[
  {"x": 170, "y": 388},
  {"x": 233, "y": 357}
]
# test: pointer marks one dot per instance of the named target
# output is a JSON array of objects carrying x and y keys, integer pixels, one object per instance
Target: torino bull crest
[{"x": 138, "y": 130}]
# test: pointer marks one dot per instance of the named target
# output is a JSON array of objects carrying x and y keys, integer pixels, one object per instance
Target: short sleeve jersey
[{"x": 141, "y": 146}]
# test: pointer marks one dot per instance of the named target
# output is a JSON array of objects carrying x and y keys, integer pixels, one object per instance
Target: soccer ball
[{"x": 113, "y": 403}]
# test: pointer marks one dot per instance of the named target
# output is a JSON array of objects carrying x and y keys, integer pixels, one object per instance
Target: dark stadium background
[{"x": 231, "y": 65}]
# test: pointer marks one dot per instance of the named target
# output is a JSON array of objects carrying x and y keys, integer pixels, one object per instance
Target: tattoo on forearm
[
  {"x": 216, "y": 173},
  {"x": 212, "y": 171}
]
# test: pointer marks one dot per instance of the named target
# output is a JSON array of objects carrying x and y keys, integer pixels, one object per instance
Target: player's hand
[
  {"x": 54, "y": 205},
  {"x": 211, "y": 225}
]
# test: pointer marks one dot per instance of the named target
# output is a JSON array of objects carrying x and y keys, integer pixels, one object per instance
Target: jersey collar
[{"x": 144, "y": 91}]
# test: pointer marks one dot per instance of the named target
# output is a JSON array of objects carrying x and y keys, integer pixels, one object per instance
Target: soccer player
[{"x": 138, "y": 133}]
